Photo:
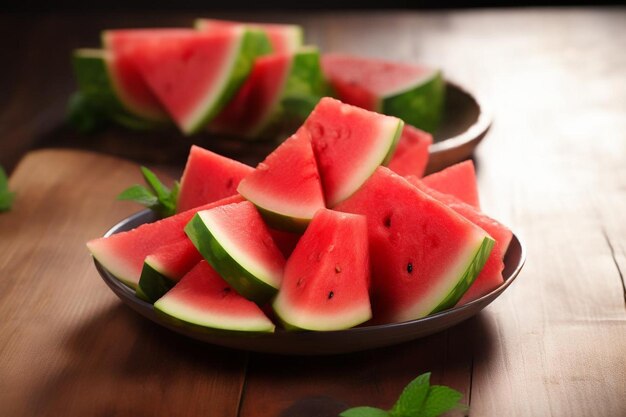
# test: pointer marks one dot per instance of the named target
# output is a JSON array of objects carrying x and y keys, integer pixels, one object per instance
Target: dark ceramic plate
[{"x": 317, "y": 343}]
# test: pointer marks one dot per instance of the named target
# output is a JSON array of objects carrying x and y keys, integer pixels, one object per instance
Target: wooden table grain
[{"x": 553, "y": 167}]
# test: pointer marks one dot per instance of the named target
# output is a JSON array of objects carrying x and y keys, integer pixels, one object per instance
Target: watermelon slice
[
  {"x": 279, "y": 94},
  {"x": 413, "y": 93},
  {"x": 458, "y": 180},
  {"x": 286, "y": 241},
  {"x": 411, "y": 156},
  {"x": 237, "y": 243},
  {"x": 349, "y": 143},
  {"x": 100, "y": 91},
  {"x": 283, "y": 38},
  {"x": 208, "y": 177},
  {"x": 327, "y": 277},
  {"x": 165, "y": 267},
  {"x": 123, "y": 254},
  {"x": 424, "y": 256},
  {"x": 194, "y": 74},
  {"x": 202, "y": 298},
  {"x": 490, "y": 277},
  {"x": 286, "y": 186}
]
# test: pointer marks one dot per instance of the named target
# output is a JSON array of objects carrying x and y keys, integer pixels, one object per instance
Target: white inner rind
[
  {"x": 319, "y": 320},
  {"x": 410, "y": 84},
  {"x": 121, "y": 269},
  {"x": 387, "y": 129},
  {"x": 298, "y": 210},
  {"x": 206, "y": 104},
  {"x": 212, "y": 319},
  {"x": 446, "y": 283},
  {"x": 253, "y": 266}
]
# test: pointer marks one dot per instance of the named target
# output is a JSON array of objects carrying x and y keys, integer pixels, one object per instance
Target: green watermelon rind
[
  {"x": 283, "y": 221},
  {"x": 420, "y": 106},
  {"x": 247, "y": 283},
  {"x": 153, "y": 283},
  {"x": 175, "y": 314},
  {"x": 253, "y": 43}
]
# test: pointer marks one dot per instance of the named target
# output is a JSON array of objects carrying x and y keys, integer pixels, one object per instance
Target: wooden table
[{"x": 553, "y": 168}]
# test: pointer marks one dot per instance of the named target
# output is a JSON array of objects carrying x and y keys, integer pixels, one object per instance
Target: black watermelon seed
[
  {"x": 331, "y": 295},
  {"x": 387, "y": 221},
  {"x": 409, "y": 268}
]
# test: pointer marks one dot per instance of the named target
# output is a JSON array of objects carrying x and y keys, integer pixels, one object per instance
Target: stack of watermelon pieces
[
  {"x": 320, "y": 236},
  {"x": 247, "y": 80}
]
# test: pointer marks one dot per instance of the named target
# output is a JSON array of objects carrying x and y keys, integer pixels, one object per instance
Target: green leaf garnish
[
  {"x": 418, "y": 399},
  {"x": 6, "y": 196},
  {"x": 156, "y": 196}
]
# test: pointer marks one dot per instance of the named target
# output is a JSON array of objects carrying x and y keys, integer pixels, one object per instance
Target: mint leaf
[
  {"x": 158, "y": 197},
  {"x": 364, "y": 412},
  {"x": 439, "y": 400},
  {"x": 6, "y": 196},
  {"x": 412, "y": 398}
]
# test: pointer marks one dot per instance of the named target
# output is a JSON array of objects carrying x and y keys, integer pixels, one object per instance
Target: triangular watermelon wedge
[
  {"x": 286, "y": 186},
  {"x": 326, "y": 280},
  {"x": 349, "y": 144},
  {"x": 424, "y": 256},
  {"x": 202, "y": 298},
  {"x": 458, "y": 180},
  {"x": 283, "y": 38},
  {"x": 195, "y": 74},
  {"x": 123, "y": 254},
  {"x": 411, "y": 155},
  {"x": 208, "y": 177}
]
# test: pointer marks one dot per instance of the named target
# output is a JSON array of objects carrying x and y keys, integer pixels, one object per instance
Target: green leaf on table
[
  {"x": 6, "y": 196},
  {"x": 364, "y": 412},
  {"x": 418, "y": 399},
  {"x": 156, "y": 197}
]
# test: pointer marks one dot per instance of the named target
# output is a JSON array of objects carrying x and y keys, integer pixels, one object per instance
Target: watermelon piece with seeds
[
  {"x": 424, "y": 255},
  {"x": 208, "y": 177},
  {"x": 202, "y": 298},
  {"x": 279, "y": 94},
  {"x": 286, "y": 186},
  {"x": 283, "y": 38},
  {"x": 195, "y": 74},
  {"x": 490, "y": 276},
  {"x": 123, "y": 254},
  {"x": 349, "y": 144},
  {"x": 411, "y": 92},
  {"x": 238, "y": 245},
  {"x": 458, "y": 180},
  {"x": 165, "y": 267},
  {"x": 326, "y": 280},
  {"x": 411, "y": 155}
]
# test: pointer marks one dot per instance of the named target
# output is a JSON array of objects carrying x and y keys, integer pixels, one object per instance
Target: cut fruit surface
[
  {"x": 283, "y": 38},
  {"x": 208, "y": 177},
  {"x": 286, "y": 186},
  {"x": 490, "y": 277},
  {"x": 203, "y": 298},
  {"x": 411, "y": 155},
  {"x": 195, "y": 74},
  {"x": 123, "y": 254},
  {"x": 458, "y": 180},
  {"x": 165, "y": 267},
  {"x": 349, "y": 144},
  {"x": 237, "y": 243},
  {"x": 326, "y": 280},
  {"x": 413, "y": 93},
  {"x": 424, "y": 256}
]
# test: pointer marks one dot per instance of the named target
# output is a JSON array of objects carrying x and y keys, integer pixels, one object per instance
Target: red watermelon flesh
[
  {"x": 123, "y": 254},
  {"x": 208, "y": 177},
  {"x": 411, "y": 155},
  {"x": 286, "y": 241},
  {"x": 364, "y": 81},
  {"x": 286, "y": 185},
  {"x": 349, "y": 143},
  {"x": 203, "y": 298},
  {"x": 326, "y": 281},
  {"x": 174, "y": 260},
  {"x": 247, "y": 111},
  {"x": 424, "y": 255},
  {"x": 187, "y": 70},
  {"x": 283, "y": 38},
  {"x": 458, "y": 180},
  {"x": 130, "y": 85},
  {"x": 490, "y": 277}
]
